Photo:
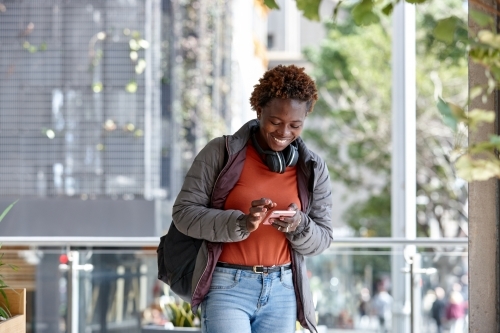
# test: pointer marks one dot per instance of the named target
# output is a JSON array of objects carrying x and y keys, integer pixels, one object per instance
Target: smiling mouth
[{"x": 281, "y": 142}]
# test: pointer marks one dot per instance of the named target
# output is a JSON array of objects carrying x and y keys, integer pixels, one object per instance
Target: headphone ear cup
[
  {"x": 276, "y": 162},
  {"x": 291, "y": 155}
]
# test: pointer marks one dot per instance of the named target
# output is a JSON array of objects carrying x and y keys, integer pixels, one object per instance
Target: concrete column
[{"x": 483, "y": 220}]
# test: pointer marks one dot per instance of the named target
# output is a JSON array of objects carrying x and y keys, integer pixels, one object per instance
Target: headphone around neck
[{"x": 277, "y": 161}]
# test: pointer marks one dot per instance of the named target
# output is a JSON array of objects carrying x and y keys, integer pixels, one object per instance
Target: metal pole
[
  {"x": 403, "y": 182},
  {"x": 412, "y": 295},
  {"x": 416, "y": 299},
  {"x": 148, "y": 112},
  {"x": 69, "y": 294},
  {"x": 74, "y": 288}
]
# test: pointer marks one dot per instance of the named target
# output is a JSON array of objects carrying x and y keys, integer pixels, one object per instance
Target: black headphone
[{"x": 277, "y": 161}]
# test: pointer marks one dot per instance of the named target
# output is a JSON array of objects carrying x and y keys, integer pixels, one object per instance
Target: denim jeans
[{"x": 240, "y": 301}]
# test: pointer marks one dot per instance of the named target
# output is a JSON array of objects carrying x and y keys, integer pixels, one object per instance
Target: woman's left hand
[{"x": 288, "y": 224}]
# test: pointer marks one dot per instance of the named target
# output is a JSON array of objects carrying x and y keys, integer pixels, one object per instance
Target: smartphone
[{"x": 278, "y": 213}]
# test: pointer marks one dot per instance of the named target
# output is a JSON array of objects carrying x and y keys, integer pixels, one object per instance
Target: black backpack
[{"x": 176, "y": 260}]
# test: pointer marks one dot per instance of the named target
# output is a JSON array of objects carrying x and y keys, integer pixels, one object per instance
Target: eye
[
  {"x": 274, "y": 123},
  {"x": 295, "y": 126}
]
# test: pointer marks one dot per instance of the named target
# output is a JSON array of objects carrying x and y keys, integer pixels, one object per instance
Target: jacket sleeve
[
  {"x": 191, "y": 212},
  {"x": 315, "y": 233}
]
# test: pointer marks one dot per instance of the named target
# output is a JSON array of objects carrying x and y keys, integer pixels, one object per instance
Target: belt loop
[
  {"x": 282, "y": 270},
  {"x": 237, "y": 276}
]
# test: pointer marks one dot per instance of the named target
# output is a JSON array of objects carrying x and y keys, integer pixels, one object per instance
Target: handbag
[{"x": 176, "y": 255}]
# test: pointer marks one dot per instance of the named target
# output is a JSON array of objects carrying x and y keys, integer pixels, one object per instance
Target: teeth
[{"x": 279, "y": 141}]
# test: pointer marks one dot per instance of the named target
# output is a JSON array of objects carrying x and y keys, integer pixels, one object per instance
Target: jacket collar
[{"x": 239, "y": 139}]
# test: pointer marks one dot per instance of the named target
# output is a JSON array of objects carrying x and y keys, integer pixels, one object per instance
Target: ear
[{"x": 259, "y": 112}]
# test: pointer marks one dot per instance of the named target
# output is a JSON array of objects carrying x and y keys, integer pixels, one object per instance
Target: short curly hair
[{"x": 284, "y": 82}]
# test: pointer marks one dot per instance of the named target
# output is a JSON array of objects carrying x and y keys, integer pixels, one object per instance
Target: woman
[
  {"x": 250, "y": 273},
  {"x": 455, "y": 310}
]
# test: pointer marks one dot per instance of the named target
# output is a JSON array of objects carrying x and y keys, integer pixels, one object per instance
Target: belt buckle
[{"x": 256, "y": 267}]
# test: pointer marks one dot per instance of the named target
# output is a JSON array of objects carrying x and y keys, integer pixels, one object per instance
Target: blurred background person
[
  {"x": 455, "y": 310},
  {"x": 381, "y": 305},
  {"x": 363, "y": 308},
  {"x": 437, "y": 309}
]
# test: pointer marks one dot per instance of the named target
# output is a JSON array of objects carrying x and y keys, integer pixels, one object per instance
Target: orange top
[{"x": 266, "y": 245}]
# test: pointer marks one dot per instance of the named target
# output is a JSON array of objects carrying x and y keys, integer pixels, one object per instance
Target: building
[{"x": 103, "y": 106}]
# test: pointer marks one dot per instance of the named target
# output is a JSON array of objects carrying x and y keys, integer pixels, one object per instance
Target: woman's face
[{"x": 281, "y": 122}]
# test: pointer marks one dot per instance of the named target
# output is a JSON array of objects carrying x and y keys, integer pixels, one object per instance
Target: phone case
[{"x": 278, "y": 213}]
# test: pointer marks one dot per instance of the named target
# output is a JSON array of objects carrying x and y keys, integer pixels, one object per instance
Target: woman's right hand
[{"x": 258, "y": 212}]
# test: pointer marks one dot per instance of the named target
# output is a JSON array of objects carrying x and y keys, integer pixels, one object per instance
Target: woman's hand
[
  {"x": 288, "y": 224},
  {"x": 258, "y": 212}
]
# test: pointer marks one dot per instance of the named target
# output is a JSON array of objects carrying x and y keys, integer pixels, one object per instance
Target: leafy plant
[
  {"x": 4, "y": 310},
  {"x": 181, "y": 315},
  {"x": 7, "y": 210}
]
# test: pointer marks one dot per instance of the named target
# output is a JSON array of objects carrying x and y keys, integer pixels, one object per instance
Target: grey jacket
[{"x": 198, "y": 212}]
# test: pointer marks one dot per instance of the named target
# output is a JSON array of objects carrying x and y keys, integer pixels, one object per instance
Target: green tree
[
  {"x": 478, "y": 161},
  {"x": 352, "y": 68}
]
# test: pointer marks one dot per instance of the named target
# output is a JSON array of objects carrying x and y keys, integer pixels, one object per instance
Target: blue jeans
[{"x": 245, "y": 302}]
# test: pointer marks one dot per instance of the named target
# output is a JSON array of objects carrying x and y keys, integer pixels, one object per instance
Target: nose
[{"x": 284, "y": 130}]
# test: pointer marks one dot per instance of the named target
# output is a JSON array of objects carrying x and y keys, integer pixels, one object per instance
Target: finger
[
  {"x": 262, "y": 202},
  {"x": 258, "y": 211},
  {"x": 280, "y": 224},
  {"x": 283, "y": 227},
  {"x": 266, "y": 202},
  {"x": 277, "y": 227},
  {"x": 272, "y": 204},
  {"x": 283, "y": 220}
]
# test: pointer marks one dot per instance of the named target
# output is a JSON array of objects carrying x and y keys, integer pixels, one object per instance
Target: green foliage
[
  {"x": 7, "y": 210},
  {"x": 479, "y": 161},
  {"x": 352, "y": 69},
  {"x": 446, "y": 28},
  {"x": 482, "y": 19},
  {"x": 4, "y": 311},
  {"x": 363, "y": 13},
  {"x": 181, "y": 315},
  {"x": 310, "y": 8},
  {"x": 451, "y": 113},
  {"x": 381, "y": 264},
  {"x": 33, "y": 48},
  {"x": 271, "y": 4},
  {"x": 371, "y": 217},
  {"x": 478, "y": 169}
]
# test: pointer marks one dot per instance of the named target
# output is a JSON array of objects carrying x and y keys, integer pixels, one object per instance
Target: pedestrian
[
  {"x": 455, "y": 310},
  {"x": 437, "y": 309},
  {"x": 250, "y": 274},
  {"x": 381, "y": 304},
  {"x": 363, "y": 308}
]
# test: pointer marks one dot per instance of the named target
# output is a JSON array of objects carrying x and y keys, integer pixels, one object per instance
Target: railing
[
  {"x": 154, "y": 241},
  {"x": 85, "y": 284}
]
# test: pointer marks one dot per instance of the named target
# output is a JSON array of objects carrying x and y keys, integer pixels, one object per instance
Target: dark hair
[{"x": 284, "y": 82}]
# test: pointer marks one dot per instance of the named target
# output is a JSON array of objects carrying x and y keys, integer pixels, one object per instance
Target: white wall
[{"x": 249, "y": 57}]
